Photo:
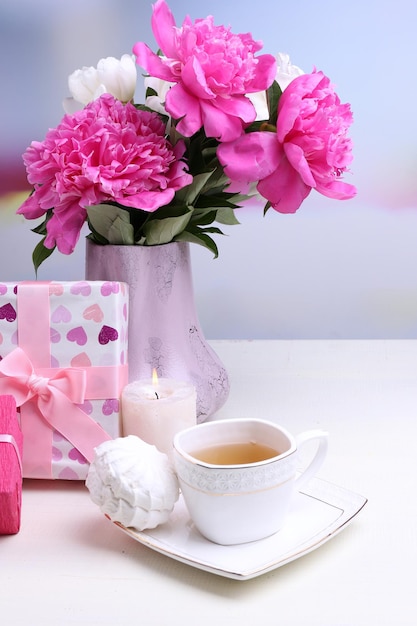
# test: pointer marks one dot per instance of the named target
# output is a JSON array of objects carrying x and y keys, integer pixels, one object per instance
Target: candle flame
[{"x": 154, "y": 376}]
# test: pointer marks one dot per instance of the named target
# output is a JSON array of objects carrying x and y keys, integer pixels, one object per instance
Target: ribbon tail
[
  {"x": 73, "y": 424},
  {"x": 37, "y": 437}
]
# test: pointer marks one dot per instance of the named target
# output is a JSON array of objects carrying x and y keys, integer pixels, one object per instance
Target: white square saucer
[{"x": 318, "y": 513}]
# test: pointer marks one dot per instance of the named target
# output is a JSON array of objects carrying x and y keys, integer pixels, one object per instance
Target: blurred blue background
[{"x": 332, "y": 270}]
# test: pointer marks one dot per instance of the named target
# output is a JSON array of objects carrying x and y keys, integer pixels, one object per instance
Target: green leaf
[
  {"x": 112, "y": 223},
  {"x": 188, "y": 194},
  {"x": 150, "y": 92},
  {"x": 255, "y": 126},
  {"x": 273, "y": 95},
  {"x": 217, "y": 182},
  {"x": 95, "y": 236},
  {"x": 212, "y": 202},
  {"x": 226, "y": 216},
  {"x": 200, "y": 238},
  {"x": 121, "y": 232},
  {"x": 40, "y": 229},
  {"x": 164, "y": 230},
  {"x": 40, "y": 254},
  {"x": 212, "y": 229},
  {"x": 267, "y": 207}
]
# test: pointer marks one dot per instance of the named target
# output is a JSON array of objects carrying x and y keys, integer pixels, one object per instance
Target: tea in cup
[{"x": 237, "y": 476}]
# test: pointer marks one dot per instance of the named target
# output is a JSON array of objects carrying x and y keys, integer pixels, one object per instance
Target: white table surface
[{"x": 69, "y": 565}]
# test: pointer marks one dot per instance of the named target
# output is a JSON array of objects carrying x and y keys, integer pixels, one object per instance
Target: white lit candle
[{"x": 156, "y": 409}]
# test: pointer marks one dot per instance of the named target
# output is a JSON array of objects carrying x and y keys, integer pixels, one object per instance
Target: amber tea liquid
[{"x": 235, "y": 453}]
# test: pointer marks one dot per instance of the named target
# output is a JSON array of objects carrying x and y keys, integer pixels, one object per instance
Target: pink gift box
[
  {"x": 10, "y": 467},
  {"x": 63, "y": 349}
]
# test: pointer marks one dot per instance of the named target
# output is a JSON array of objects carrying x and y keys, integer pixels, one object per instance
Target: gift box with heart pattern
[{"x": 63, "y": 356}]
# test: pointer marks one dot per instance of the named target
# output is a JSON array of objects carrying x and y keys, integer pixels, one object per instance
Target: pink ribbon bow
[
  {"x": 24, "y": 384},
  {"x": 48, "y": 399}
]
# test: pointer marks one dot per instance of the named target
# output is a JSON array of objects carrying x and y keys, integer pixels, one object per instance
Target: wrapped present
[
  {"x": 11, "y": 447},
  {"x": 63, "y": 349}
]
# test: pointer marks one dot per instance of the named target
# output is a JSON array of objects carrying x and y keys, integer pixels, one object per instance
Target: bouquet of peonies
[{"x": 221, "y": 124}]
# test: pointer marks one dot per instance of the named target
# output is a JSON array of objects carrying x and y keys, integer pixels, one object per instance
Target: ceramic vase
[{"x": 164, "y": 331}]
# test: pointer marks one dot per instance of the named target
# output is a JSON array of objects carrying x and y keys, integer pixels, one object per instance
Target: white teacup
[{"x": 233, "y": 492}]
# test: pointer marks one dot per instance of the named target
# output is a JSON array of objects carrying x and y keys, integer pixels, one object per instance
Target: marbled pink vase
[{"x": 164, "y": 331}]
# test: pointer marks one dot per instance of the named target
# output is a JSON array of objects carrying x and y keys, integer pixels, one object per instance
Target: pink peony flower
[
  {"x": 108, "y": 151},
  {"x": 310, "y": 149},
  {"x": 212, "y": 70}
]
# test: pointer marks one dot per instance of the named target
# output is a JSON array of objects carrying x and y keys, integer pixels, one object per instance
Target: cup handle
[{"x": 318, "y": 458}]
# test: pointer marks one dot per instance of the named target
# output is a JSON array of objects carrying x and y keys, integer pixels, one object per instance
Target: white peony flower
[
  {"x": 115, "y": 76},
  {"x": 161, "y": 88},
  {"x": 258, "y": 100},
  {"x": 286, "y": 72},
  {"x": 118, "y": 77}
]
